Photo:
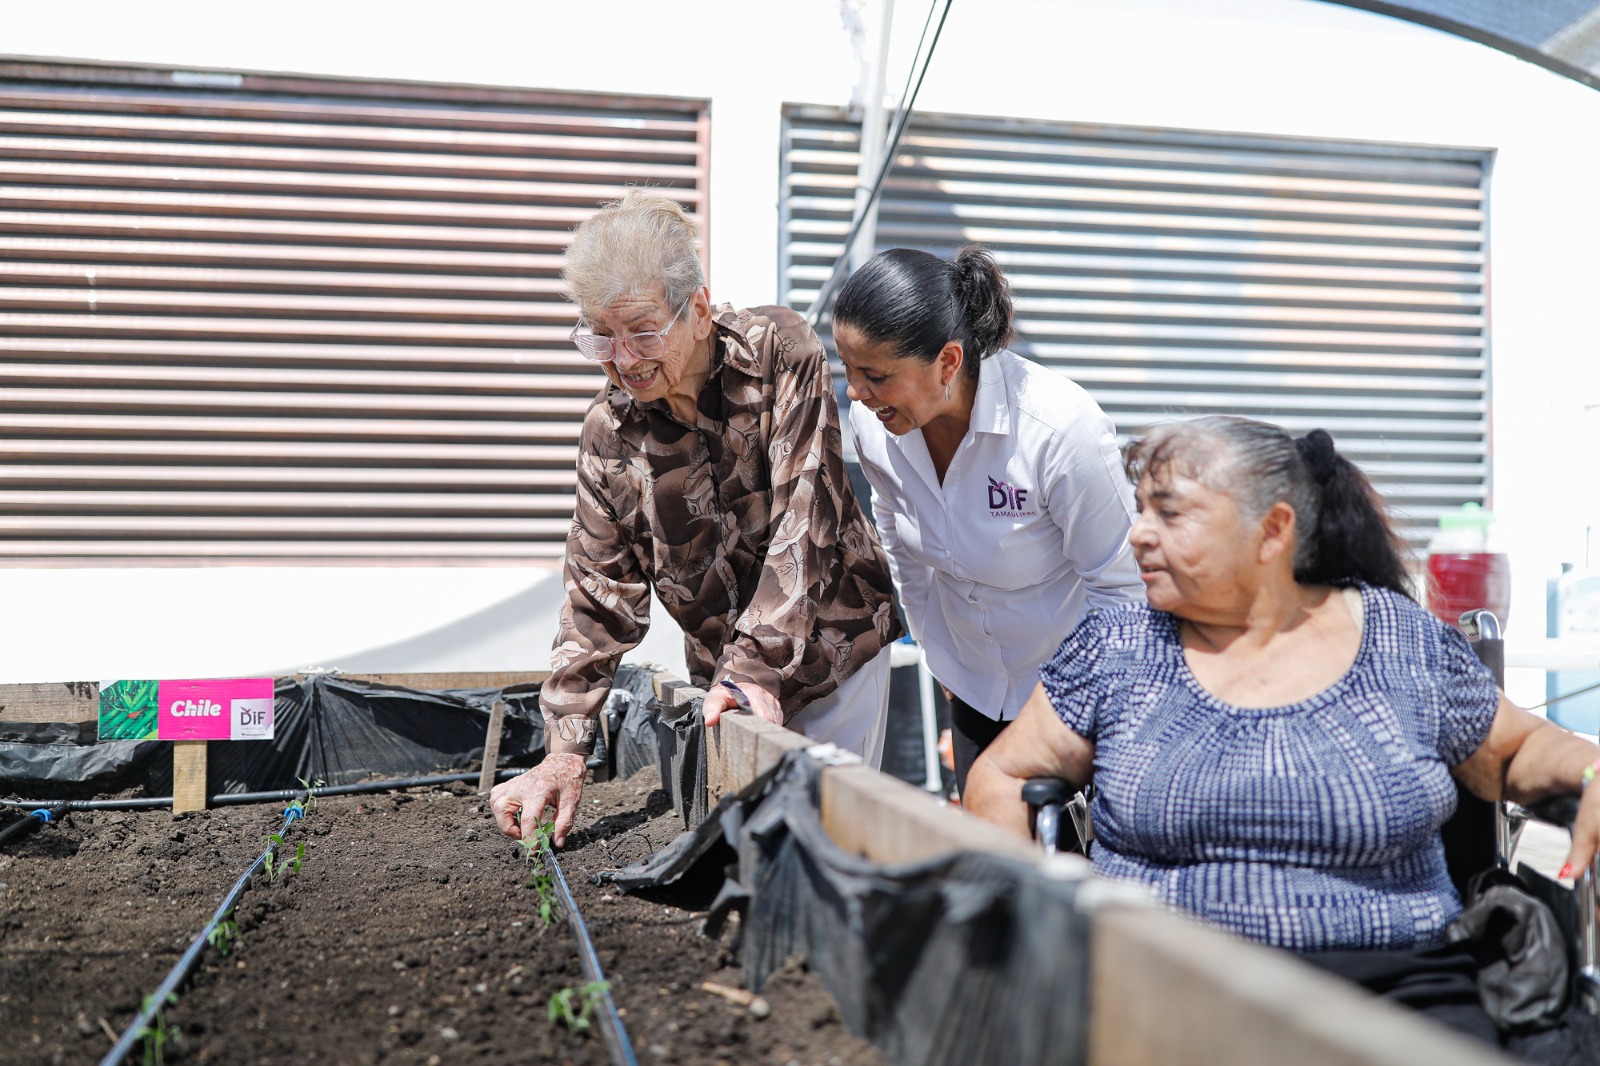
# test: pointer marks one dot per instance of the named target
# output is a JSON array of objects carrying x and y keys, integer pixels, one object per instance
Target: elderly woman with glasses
[{"x": 709, "y": 470}]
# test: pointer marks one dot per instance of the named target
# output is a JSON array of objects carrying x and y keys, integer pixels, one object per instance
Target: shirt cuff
[
  {"x": 756, "y": 674},
  {"x": 569, "y": 734}
]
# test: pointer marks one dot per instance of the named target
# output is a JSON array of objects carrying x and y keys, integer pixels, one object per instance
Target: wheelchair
[{"x": 1480, "y": 834}]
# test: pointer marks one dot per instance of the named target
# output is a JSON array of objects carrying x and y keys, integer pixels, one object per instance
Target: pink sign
[{"x": 231, "y": 709}]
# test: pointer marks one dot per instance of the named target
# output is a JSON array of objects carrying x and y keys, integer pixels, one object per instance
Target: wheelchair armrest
[
  {"x": 1038, "y": 791},
  {"x": 1559, "y": 811}
]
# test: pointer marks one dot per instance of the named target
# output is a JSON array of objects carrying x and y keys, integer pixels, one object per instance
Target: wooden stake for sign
[
  {"x": 188, "y": 775},
  {"x": 491, "y": 745}
]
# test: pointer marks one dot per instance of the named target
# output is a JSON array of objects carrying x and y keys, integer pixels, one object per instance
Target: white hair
[{"x": 633, "y": 247}]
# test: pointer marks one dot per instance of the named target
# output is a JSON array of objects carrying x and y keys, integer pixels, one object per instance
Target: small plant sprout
[
  {"x": 275, "y": 865},
  {"x": 274, "y": 841},
  {"x": 223, "y": 935},
  {"x": 534, "y": 847},
  {"x": 543, "y": 882},
  {"x": 311, "y": 790},
  {"x": 157, "y": 1035},
  {"x": 572, "y": 1007}
]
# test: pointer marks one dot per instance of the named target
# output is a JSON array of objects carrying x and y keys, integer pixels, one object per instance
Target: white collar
[{"x": 991, "y": 403}]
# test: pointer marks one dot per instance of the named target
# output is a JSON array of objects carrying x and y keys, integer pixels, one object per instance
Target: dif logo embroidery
[{"x": 1008, "y": 501}]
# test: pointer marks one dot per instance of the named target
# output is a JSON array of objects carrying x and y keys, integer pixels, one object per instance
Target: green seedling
[
  {"x": 271, "y": 861},
  {"x": 543, "y": 881},
  {"x": 544, "y": 834},
  {"x": 572, "y": 1007},
  {"x": 223, "y": 935},
  {"x": 275, "y": 865},
  {"x": 533, "y": 847},
  {"x": 157, "y": 1036},
  {"x": 311, "y": 793}
]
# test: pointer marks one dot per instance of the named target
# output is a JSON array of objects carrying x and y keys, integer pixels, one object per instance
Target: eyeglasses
[{"x": 650, "y": 344}]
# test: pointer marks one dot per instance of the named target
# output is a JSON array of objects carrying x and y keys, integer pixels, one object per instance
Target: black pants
[
  {"x": 970, "y": 732},
  {"x": 1442, "y": 983}
]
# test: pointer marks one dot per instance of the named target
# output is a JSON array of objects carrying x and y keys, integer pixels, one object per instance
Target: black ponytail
[
  {"x": 1352, "y": 539},
  {"x": 919, "y": 303}
]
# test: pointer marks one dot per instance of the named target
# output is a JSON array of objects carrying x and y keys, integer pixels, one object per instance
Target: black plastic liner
[
  {"x": 631, "y": 711},
  {"x": 680, "y": 740},
  {"x": 963, "y": 959},
  {"x": 64, "y": 761},
  {"x": 326, "y": 728},
  {"x": 330, "y": 729}
]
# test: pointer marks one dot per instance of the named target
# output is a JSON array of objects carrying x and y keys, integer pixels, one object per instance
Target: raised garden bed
[{"x": 408, "y": 935}]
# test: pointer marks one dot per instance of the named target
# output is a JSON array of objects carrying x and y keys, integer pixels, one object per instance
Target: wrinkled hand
[
  {"x": 519, "y": 804},
  {"x": 721, "y": 699}
]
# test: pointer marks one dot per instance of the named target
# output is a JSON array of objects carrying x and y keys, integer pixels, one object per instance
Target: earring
[{"x": 947, "y": 392}]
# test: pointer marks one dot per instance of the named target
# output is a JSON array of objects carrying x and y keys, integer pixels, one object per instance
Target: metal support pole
[
  {"x": 874, "y": 134},
  {"x": 1589, "y": 938},
  {"x": 934, "y": 781}
]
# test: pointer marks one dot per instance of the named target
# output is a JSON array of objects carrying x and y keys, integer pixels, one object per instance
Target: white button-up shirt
[{"x": 1027, "y": 533}]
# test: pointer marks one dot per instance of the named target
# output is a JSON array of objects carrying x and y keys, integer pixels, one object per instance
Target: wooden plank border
[
  {"x": 75, "y": 702},
  {"x": 56, "y": 701},
  {"x": 1167, "y": 990}
]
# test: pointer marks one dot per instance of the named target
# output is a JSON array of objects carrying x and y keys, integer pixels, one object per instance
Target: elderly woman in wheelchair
[{"x": 1276, "y": 738}]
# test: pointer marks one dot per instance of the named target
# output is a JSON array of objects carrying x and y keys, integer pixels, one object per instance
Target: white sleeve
[{"x": 1091, "y": 503}]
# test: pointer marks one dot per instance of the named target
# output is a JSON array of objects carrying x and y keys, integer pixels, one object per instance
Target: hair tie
[{"x": 1316, "y": 448}]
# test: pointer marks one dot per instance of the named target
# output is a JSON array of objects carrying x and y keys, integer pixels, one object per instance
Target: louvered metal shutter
[
  {"x": 249, "y": 317},
  {"x": 1307, "y": 283}
]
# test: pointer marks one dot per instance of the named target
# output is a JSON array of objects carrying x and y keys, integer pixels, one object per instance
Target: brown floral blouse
[{"x": 744, "y": 524}]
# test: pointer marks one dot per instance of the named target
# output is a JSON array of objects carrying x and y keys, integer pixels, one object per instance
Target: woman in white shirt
[{"x": 997, "y": 486}]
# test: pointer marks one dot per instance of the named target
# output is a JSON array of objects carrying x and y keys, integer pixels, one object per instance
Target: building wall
[{"x": 1267, "y": 66}]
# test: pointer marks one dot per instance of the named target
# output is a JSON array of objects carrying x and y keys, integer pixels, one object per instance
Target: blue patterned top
[{"x": 1311, "y": 826}]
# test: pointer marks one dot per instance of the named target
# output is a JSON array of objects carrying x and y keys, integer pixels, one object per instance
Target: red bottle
[{"x": 1463, "y": 574}]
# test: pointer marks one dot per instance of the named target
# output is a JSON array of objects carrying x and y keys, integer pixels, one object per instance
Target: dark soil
[{"x": 409, "y": 935}]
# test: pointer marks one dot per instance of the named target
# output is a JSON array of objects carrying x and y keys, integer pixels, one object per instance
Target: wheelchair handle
[
  {"x": 1479, "y": 624},
  {"x": 1039, "y": 791},
  {"x": 1560, "y": 811}
]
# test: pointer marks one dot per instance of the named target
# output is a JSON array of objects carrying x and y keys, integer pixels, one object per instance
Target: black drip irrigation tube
[
  {"x": 232, "y": 799},
  {"x": 32, "y": 820},
  {"x": 611, "y": 1027},
  {"x": 185, "y": 963}
]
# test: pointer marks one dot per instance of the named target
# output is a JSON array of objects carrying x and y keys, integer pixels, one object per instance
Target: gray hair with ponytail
[{"x": 1342, "y": 534}]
